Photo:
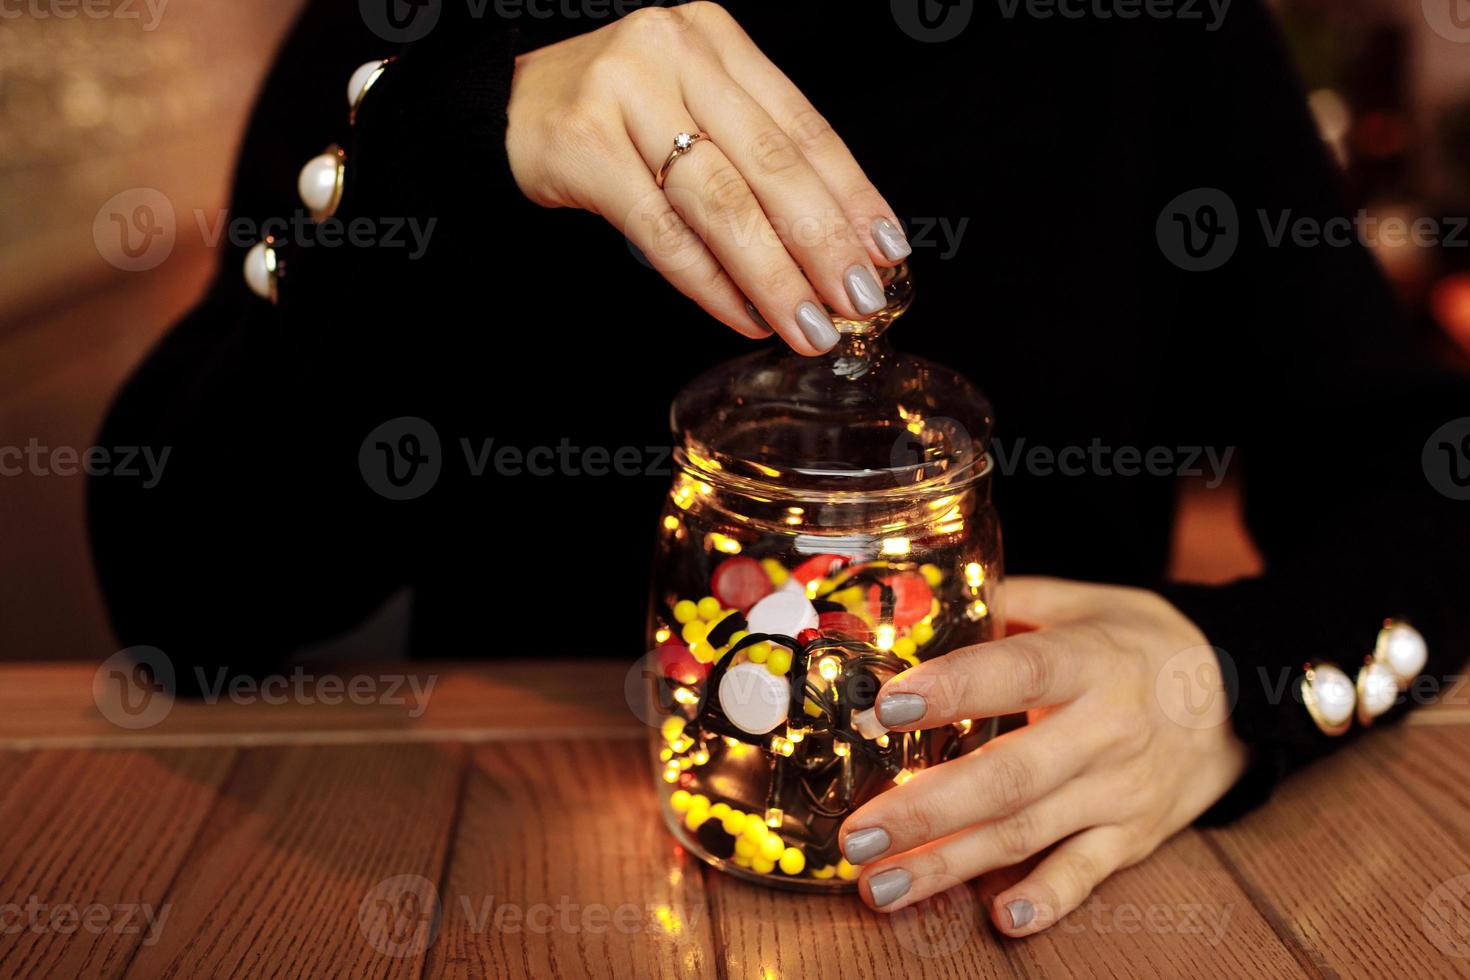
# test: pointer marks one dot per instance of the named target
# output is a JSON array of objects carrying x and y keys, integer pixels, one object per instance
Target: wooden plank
[
  {"x": 1354, "y": 871},
  {"x": 53, "y": 706},
  {"x": 90, "y": 843},
  {"x": 1433, "y": 766},
  {"x": 318, "y": 861},
  {"x": 1180, "y": 913},
  {"x": 562, "y": 867}
]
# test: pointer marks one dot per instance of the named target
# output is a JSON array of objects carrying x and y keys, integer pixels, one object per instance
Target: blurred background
[{"x": 107, "y": 122}]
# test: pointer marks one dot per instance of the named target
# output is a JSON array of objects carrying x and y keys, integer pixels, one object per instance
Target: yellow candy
[
  {"x": 922, "y": 633},
  {"x": 743, "y": 860},
  {"x": 719, "y": 810},
  {"x": 775, "y": 571},
  {"x": 672, "y": 728},
  {"x": 734, "y": 824},
  {"x": 904, "y": 646},
  {"x": 792, "y": 861},
  {"x": 779, "y": 661},
  {"x": 772, "y": 847},
  {"x": 825, "y": 871},
  {"x": 693, "y": 631},
  {"x": 695, "y": 817},
  {"x": 932, "y": 575},
  {"x": 708, "y": 608},
  {"x": 701, "y": 651},
  {"x": 812, "y": 708},
  {"x": 848, "y": 871},
  {"x": 746, "y": 847},
  {"x": 685, "y": 611},
  {"x": 737, "y": 636},
  {"x": 763, "y": 865},
  {"x": 755, "y": 829},
  {"x": 699, "y": 802},
  {"x": 679, "y": 800},
  {"x": 757, "y": 653}
]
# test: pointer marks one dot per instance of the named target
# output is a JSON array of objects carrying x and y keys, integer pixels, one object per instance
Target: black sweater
[{"x": 1032, "y": 160}]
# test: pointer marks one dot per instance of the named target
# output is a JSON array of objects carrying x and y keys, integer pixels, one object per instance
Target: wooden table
[{"x": 510, "y": 830}]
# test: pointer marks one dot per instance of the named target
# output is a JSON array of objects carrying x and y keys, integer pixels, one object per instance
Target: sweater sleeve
[{"x": 1340, "y": 492}]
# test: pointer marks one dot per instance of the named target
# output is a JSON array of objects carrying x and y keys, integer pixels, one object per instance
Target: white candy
[
  {"x": 754, "y": 699},
  {"x": 784, "y": 613},
  {"x": 1403, "y": 650}
]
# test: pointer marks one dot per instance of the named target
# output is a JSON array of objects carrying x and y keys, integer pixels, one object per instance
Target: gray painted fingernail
[
  {"x": 900, "y": 709},
  {"x": 861, "y": 846},
  {"x": 889, "y": 886},
  {"x": 891, "y": 240},
  {"x": 817, "y": 326},
  {"x": 864, "y": 290},
  {"x": 1021, "y": 913},
  {"x": 755, "y": 315}
]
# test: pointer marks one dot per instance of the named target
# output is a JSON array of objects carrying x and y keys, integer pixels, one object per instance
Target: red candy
[
  {"x": 740, "y": 583},
  {"x": 844, "y": 624},
  {"x": 912, "y": 598},
  {"x": 818, "y": 566},
  {"x": 677, "y": 663},
  {"x": 807, "y": 636}
]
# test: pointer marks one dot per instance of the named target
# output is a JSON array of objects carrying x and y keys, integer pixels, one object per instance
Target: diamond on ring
[{"x": 684, "y": 140}]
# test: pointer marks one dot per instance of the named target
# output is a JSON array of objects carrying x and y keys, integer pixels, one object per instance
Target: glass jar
[{"x": 829, "y": 525}]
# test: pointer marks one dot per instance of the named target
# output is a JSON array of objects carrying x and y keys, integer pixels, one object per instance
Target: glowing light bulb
[
  {"x": 896, "y": 547},
  {"x": 701, "y": 757},
  {"x": 774, "y": 817},
  {"x": 885, "y": 637},
  {"x": 671, "y": 523},
  {"x": 661, "y": 636},
  {"x": 782, "y": 746},
  {"x": 685, "y": 696},
  {"x": 974, "y": 575},
  {"x": 840, "y": 749},
  {"x": 903, "y": 776}
]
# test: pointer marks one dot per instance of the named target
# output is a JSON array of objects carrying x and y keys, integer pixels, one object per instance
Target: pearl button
[
  {"x": 1402, "y": 649},
  {"x": 1333, "y": 694},
  {"x": 361, "y": 80},
  {"x": 754, "y": 699},
  {"x": 319, "y": 183},
  {"x": 1378, "y": 689},
  {"x": 782, "y": 613},
  {"x": 260, "y": 271}
]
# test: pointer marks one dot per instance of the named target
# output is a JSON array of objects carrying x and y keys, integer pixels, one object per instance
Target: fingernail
[
  {"x": 889, "y": 886},
  {"x": 861, "y": 846},
  {"x": 1021, "y": 913},
  {"x": 755, "y": 315},
  {"x": 891, "y": 240},
  {"x": 900, "y": 709},
  {"x": 816, "y": 326},
  {"x": 864, "y": 291}
]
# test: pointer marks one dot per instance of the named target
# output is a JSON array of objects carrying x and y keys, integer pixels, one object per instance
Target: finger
[
  {"x": 876, "y": 223},
  {"x": 712, "y": 197},
  {"x": 1061, "y": 882},
  {"x": 1042, "y": 601},
  {"x": 999, "y": 779},
  {"x": 812, "y": 226},
  {"x": 914, "y": 875},
  {"x": 1030, "y": 670}
]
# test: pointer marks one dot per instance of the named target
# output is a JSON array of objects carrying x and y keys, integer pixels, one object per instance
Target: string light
[
  {"x": 840, "y": 749},
  {"x": 829, "y": 668},
  {"x": 896, "y": 547},
  {"x": 775, "y": 817},
  {"x": 782, "y": 746},
  {"x": 685, "y": 696},
  {"x": 974, "y": 575}
]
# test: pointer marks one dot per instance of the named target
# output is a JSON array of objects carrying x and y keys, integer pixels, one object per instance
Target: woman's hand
[
  {"x": 772, "y": 209},
  {"x": 1115, "y": 759}
]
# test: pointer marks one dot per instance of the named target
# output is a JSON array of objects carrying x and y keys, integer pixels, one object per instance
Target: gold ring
[{"x": 683, "y": 143}]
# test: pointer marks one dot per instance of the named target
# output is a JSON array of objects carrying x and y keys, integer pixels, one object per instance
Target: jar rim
[{"x": 868, "y": 484}]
